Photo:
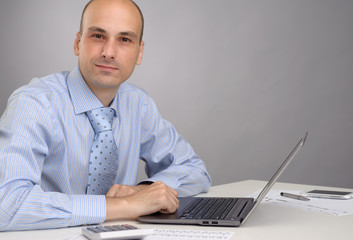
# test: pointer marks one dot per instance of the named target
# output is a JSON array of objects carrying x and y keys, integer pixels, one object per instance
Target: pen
[{"x": 294, "y": 196}]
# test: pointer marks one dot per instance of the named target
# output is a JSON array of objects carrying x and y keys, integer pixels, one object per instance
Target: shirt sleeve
[
  {"x": 169, "y": 157},
  {"x": 26, "y": 131}
]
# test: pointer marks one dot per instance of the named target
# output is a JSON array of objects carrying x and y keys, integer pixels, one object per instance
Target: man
[{"x": 49, "y": 175}]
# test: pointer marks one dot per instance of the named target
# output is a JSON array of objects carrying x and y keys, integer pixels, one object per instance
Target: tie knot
[{"x": 101, "y": 119}]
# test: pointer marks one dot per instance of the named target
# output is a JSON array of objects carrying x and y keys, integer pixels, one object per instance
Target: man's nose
[{"x": 109, "y": 50}]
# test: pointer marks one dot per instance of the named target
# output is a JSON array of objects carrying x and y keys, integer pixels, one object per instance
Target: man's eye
[
  {"x": 126, "y": 40},
  {"x": 98, "y": 36}
]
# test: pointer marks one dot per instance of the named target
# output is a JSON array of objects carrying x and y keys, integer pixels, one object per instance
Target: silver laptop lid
[{"x": 278, "y": 173}]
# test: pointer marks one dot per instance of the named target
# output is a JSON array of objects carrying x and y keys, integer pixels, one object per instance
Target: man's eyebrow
[
  {"x": 96, "y": 29},
  {"x": 129, "y": 34}
]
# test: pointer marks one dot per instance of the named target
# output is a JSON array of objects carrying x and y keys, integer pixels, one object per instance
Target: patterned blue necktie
[{"x": 103, "y": 162}]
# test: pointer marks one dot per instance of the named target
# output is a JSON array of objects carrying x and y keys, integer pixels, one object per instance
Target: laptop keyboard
[{"x": 212, "y": 208}]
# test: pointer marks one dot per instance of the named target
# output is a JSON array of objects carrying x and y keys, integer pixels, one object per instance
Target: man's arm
[
  {"x": 25, "y": 134},
  {"x": 169, "y": 157}
]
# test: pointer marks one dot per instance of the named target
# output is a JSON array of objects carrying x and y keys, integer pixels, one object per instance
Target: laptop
[{"x": 219, "y": 211}]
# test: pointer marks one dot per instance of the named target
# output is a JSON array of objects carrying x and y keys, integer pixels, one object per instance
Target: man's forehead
[
  {"x": 119, "y": 12},
  {"x": 113, "y": 8}
]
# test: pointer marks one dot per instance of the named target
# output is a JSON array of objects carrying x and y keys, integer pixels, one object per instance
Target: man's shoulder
[
  {"x": 43, "y": 91},
  {"x": 50, "y": 84},
  {"x": 130, "y": 89}
]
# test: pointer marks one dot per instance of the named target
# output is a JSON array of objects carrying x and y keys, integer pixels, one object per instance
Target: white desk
[{"x": 267, "y": 221}]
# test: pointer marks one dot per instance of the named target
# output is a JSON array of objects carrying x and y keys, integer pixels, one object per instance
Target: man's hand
[
  {"x": 135, "y": 201},
  {"x": 118, "y": 190}
]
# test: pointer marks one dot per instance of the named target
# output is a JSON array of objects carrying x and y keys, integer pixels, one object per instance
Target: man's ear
[
  {"x": 77, "y": 43},
  {"x": 139, "y": 58}
]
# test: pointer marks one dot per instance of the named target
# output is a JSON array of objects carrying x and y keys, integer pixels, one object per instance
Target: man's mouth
[{"x": 106, "y": 67}]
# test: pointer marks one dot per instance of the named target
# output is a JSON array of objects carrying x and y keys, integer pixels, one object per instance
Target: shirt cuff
[
  {"x": 88, "y": 209},
  {"x": 169, "y": 181},
  {"x": 145, "y": 183}
]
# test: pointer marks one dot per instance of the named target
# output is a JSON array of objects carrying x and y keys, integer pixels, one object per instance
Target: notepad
[
  {"x": 327, "y": 206},
  {"x": 178, "y": 234}
]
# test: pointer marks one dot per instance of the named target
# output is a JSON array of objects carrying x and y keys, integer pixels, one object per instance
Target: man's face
[{"x": 108, "y": 47}]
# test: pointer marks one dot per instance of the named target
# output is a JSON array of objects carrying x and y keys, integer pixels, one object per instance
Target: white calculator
[{"x": 124, "y": 231}]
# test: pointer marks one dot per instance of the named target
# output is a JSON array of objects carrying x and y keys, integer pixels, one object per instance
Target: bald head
[{"x": 88, "y": 5}]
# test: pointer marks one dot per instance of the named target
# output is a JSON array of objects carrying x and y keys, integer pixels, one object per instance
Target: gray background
[{"x": 241, "y": 80}]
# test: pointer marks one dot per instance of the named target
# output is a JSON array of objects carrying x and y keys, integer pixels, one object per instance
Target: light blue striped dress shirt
[{"x": 45, "y": 141}]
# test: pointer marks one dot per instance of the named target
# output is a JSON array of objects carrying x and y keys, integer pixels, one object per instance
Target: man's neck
[{"x": 105, "y": 96}]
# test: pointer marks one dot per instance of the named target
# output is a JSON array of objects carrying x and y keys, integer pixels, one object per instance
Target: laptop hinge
[{"x": 246, "y": 210}]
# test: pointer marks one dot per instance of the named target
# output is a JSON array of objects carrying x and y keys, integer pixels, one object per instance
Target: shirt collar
[{"x": 82, "y": 97}]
